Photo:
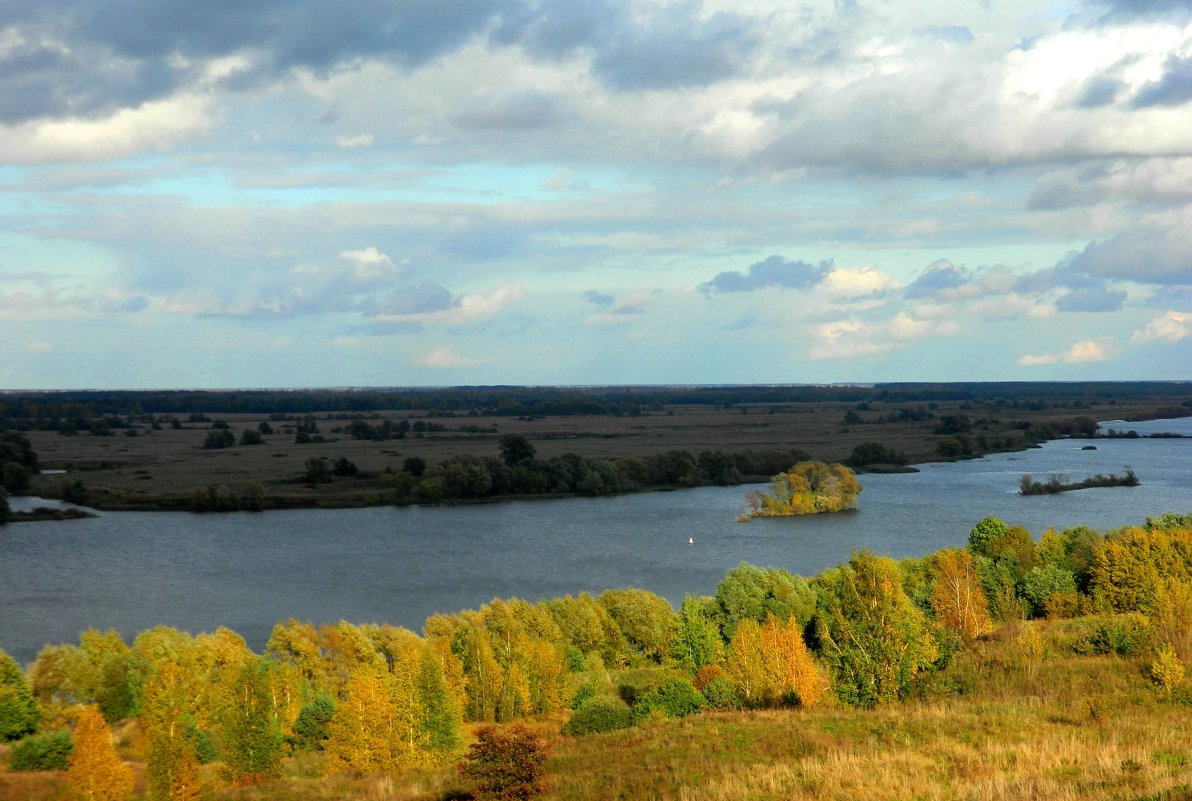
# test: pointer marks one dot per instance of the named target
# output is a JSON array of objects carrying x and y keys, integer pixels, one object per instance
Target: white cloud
[
  {"x": 1089, "y": 350},
  {"x": 129, "y": 131},
  {"x": 1170, "y": 327},
  {"x": 446, "y": 358},
  {"x": 41, "y": 346},
  {"x": 370, "y": 264},
  {"x": 348, "y": 142},
  {"x": 857, "y": 281}
]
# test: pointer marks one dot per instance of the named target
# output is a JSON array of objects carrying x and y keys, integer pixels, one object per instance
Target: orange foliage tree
[
  {"x": 957, "y": 598},
  {"x": 96, "y": 772}
]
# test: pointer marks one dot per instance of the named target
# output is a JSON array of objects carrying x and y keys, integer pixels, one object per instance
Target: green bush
[
  {"x": 719, "y": 694},
  {"x": 1124, "y": 635},
  {"x": 675, "y": 699},
  {"x": 599, "y": 715},
  {"x": 47, "y": 751}
]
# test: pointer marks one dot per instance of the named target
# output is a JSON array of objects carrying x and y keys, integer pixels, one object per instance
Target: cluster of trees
[
  {"x": 806, "y": 488},
  {"x": 18, "y": 461},
  {"x": 1058, "y": 483},
  {"x": 377, "y": 698},
  {"x": 86, "y": 405},
  {"x": 519, "y": 471}
]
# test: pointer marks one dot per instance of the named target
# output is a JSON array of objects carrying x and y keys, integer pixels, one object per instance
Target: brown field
[{"x": 160, "y": 468}]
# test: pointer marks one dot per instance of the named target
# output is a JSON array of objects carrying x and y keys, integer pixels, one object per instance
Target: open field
[
  {"x": 1071, "y": 727},
  {"x": 160, "y": 468}
]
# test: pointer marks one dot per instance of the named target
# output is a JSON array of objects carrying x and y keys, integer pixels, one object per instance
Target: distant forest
[{"x": 514, "y": 401}]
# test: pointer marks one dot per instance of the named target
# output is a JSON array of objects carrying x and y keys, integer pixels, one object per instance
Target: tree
[
  {"x": 5, "y": 509},
  {"x": 317, "y": 471},
  {"x": 250, "y": 437},
  {"x": 874, "y": 640},
  {"x": 251, "y": 735},
  {"x": 697, "y": 640},
  {"x": 986, "y": 531},
  {"x": 751, "y": 593},
  {"x": 769, "y": 665},
  {"x": 515, "y": 449},
  {"x": 217, "y": 440},
  {"x": 95, "y": 771},
  {"x": 807, "y": 488},
  {"x": 506, "y": 765},
  {"x": 957, "y": 599},
  {"x": 18, "y": 709}
]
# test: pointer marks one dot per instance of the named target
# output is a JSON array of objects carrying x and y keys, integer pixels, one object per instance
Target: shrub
[
  {"x": 48, "y": 751},
  {"x": 1167, "y": 670},
  {"x": 675, "y": 699},
  {"x": 1124, "y": 635},
  {"x": 506, "y": 764},
  {"x": 719, "y": 694},
  {"x": 599, "y": 715},
  {"x": 310, "y": 727}
]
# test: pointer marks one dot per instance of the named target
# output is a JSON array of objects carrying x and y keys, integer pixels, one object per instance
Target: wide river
[{"x": 133, "y": 571}]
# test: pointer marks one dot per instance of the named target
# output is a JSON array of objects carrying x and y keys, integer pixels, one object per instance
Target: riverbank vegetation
[
  {"x": 244, "y": 450},
  {"x": 1054, "y": 667},
  {"x": 1059, "y": 483},
  {"x": 807, "y": 488}
]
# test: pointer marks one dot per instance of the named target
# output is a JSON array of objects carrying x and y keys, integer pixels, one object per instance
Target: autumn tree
[
  {"x": 752, "y": 593},
  {"x": 957, "y": 598},
  {"x": 873, "y": 639},
  {"x": 769, "y": 665},
  {"x": 95, "y": 771},
  {"x": 507, "y": 765},
  {"x": 807, "y": 488},
  {"x": 646, "y": 620},
  {"x": 18, "y": 709}
]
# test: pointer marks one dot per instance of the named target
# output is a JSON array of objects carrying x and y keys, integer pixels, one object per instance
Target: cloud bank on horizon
[{"x": 410, "y": 192}]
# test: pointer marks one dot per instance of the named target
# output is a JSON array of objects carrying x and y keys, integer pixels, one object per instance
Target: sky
[{"x": 290, "y": 193}]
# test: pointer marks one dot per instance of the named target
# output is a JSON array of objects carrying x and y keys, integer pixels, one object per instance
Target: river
[{"x": 131, "y": 571}]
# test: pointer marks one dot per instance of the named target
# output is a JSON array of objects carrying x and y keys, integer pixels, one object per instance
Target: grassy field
[
  {"x": 160, "y": 468},
  {"x": 993, "y": 727}
]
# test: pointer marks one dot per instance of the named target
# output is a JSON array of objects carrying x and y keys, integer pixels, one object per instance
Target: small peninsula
[{"x": 1059, "y": 483}]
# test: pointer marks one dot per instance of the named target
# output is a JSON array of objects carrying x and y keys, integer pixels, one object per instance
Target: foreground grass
[{"x": 992, "y": 727}]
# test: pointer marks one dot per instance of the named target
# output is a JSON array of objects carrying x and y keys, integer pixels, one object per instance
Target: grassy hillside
[{"x": 999, "y": 723}]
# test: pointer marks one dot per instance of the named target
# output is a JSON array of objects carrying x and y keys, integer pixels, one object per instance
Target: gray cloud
[
  {"x": 1143, "y": 255},
  {"x": 1173, "y": 89},
  {"x": 1091, "y": 300},
  {"x": 772, "y": 272},
  {"x": 939, "y": 276},
  {"x": 1100, "y": 91},
  {"x": 599, "y": 299},
  {"x": 416, "y": 299},
  {"x": 509, "y": 111}
]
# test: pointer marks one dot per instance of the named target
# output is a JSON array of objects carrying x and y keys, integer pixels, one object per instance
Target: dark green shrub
[
  {"x": 719, "y": 694},
  {"x": 585, "y": 693},
  {"x": 675, "y": 699},
  {"x": 47, "y": 751},
  {"x": 599, "y": 715},
  {"x": 310, "y": 727},
  {"x": 1124, "y": 635}
]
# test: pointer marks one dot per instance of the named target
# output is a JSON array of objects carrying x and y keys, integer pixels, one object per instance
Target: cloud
[
  {"x": 1091, "y": 300},
  {"x": 463, "y": 309},
  {"x": 1085, "y": 351},
  {"x": 1170, "y": 327},
  {"x": 446, "y": 358},
  {"x": 843, "y": 339},
  {"x": 858, "y": 282},
  {"x": 599, "y": 299},
  {"x": 622, "y": 313},
  {"x": 774, "y": 271},
  {"x": 41, "y": 346},
  {"x": 952, "y": 34},
  {"x": 1173, "y": 89},
  {"x": 370, "y": 264},
  {"x": 348, "y": 142},
  {"x": 1156, "y": 253},
  {"x": 509, "y": 111},
  {"x": 938, "y": 278}
]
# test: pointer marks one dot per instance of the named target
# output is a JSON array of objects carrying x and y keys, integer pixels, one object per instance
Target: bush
[
  {"x": 1124, "y": 635},
  {"x": 675, "y": 699},
  {"x": 48, "y": 751},
  {"x": 599, "y": 715},
  {"x": 506, "y": 764}
]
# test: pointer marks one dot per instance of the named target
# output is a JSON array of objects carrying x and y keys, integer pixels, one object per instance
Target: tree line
[{"x": 374, "y": 698}]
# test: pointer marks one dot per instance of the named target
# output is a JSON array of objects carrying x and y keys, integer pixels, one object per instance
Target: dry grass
[{"x": 139, "y": 472}]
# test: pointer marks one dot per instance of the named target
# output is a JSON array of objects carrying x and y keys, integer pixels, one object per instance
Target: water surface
[{"x": 132, "y": 571}]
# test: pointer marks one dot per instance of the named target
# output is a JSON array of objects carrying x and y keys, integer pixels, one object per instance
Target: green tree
[
  {"x": 873, "y": 639},
  {"x": 984, "y": 534},
  {"x": 697, "y": 637},
  {"x": 251, "y": 735},
  {"x": 18, "y": 709},
  {"x": 646, "y": 620},
  {"x": 516, "y": 449}
]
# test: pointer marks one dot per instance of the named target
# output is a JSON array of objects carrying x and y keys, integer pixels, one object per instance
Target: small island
[
  {"x": 808, "y": 488},
  {"x": 1059, "y": 483}
]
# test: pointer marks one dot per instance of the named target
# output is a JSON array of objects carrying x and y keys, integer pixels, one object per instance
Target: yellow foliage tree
[
  {"x": 768, "y": 664},
  {"x": 95, "y": 771},
  {"x": 957, "y": 598},
  {"x": 807, "y": 488}
]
